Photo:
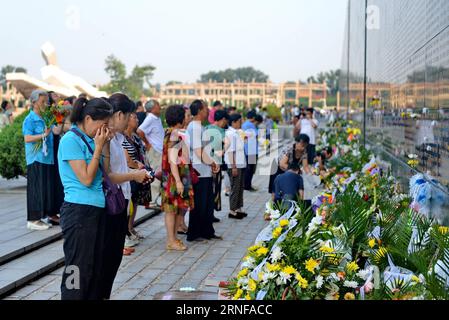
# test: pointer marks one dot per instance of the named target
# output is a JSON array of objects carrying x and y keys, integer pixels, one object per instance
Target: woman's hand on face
[{"x": 101, "y": 137}]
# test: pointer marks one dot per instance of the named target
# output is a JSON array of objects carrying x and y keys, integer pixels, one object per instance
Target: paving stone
[{"x": 125, "y": 294}]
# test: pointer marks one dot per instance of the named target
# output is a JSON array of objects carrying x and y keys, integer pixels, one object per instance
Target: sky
[{"x": 289, "y": 40}]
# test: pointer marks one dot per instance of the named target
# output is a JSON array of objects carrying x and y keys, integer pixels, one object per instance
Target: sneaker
[
  {"x": 216, "y": 219},
  {"x": 37, "y": 225},
  {"x": 47, "y": 222},
  {"x": 137, "y": 234},
  {"x": 130, "y": 242}
]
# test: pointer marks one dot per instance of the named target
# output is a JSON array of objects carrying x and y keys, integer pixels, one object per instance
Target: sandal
[{"x": 178, "y": 247}]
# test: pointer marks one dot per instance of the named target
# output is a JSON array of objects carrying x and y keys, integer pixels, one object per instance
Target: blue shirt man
[{"x": 289, "y": 185}]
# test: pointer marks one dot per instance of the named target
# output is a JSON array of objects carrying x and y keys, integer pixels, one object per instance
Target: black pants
[
  {"x": 311, "y": 153},
  {"x": 40, "y": 193},
  {"x": 114, "y": 242},
  {"x": 83, "y": 229},
  {"x": 237, "y": 183},
  {"x": 249, "y": 171},
  {"x": 201, "y": 218}
]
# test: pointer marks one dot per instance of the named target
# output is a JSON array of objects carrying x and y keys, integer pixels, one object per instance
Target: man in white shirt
[
  {"x": 151, "y": 132},
  {"x": 202, "y": 215},
  {"x": 236, "y": 161},
  {"x": 308, "y": 126}
]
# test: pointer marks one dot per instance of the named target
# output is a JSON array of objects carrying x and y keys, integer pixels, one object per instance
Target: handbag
[{"x": 115, "y": 200}]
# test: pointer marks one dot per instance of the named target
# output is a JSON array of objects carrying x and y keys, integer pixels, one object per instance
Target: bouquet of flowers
[{"x": 52, "y": 115}]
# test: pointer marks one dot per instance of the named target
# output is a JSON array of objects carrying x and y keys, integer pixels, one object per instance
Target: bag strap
[{"x": 79, "y": 134}]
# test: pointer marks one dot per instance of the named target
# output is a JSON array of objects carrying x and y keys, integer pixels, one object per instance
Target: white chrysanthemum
[
  {"x": 319, "y": 281},
  {"x": 276, "y": 255},
  {"x": 313, "y": 225},
  {"x": 363, "y": 274},
  {"x": 242, "y": 282},
  {"x": 275, "y": 214},
  {"x": 350, "y": 284},
  {"x": 283, "y": 278}
]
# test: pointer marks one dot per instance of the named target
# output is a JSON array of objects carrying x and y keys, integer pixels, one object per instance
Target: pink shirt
[{"x": 211, "y": 118}]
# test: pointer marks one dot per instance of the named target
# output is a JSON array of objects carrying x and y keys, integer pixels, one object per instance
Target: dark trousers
[
  {"x": 237, "y": 183},
  {"x": 217, "y": 190},
  {"x": 201, "y": 218},
  {"x": 311, "y": 153},
  {"x": 249, "y": 171},
  {"x": 40, "y": 193},
  {"x": 115, "y": 234},
  {"x": 83, "y": 229}
]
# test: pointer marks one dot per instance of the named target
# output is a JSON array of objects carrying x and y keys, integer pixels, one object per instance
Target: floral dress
[{"x": 171, "y": 200}]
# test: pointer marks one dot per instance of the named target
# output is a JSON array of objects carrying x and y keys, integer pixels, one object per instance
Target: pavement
[{"x": 152, "y": 271}]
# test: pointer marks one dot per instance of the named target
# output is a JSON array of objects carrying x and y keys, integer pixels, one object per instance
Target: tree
[
  {"x": 246, "y": 74},
  {"x": 9, "y": 69},
  {"x": 332, "y": 79},
  {"x": 133, "y": 85}
]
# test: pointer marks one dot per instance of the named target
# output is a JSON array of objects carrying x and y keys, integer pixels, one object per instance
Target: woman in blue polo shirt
[
  {"x": 83, "y": 212},
  {"x": 40, "y": 164}
]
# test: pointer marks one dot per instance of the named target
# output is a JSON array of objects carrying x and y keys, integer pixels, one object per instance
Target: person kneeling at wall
[{"x": 289, "y": 185}]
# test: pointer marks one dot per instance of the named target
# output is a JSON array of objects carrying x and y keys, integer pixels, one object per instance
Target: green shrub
[
  {"x": 274, "y": 112},
  {"x": 12, "y": 150}
]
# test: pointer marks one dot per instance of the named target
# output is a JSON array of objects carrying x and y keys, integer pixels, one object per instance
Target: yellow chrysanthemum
[
  {"x": 372, "y": 243},
  {"x": 260, "y": 276},
  {"x": 262, "y": 251},
  {"x": 352, "y": 266},
  {"x": 252, "y": 285},
  {"x": 382, "y": 251},
  {"x": 289, "y": 270},
  {"x": 273, "y": 267},
  {"x": 277, "y": 232},
  {"x": 311, "y": 264},
  {"x": 303, "y": 283},
  {"x": 443, "y": 230},
  {"x": 253, "y": 248},
  {"x": 283, "y": 223},
  {"x": 243, "y": 273},
  {"x": 326, "y": 249},
  {"x": 349, "y": 296},
  {"x": 238, "y": 294},
  {"x": 416, "y": 279},
  {"x": 247, "y": 297}
]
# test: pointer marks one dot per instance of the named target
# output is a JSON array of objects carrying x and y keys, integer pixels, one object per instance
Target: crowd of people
[{"x": 91, "y": 171}]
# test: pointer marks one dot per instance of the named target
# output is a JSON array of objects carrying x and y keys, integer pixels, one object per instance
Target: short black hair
[
  {"x": 251, "y": 114},
  {"x": 259, "y": 118},
  {"x": 217, "y": 103},
  {"x": 303, "y": 138},
  {"x": 139, "y": 104},
  {"x": 310, "y": 110},
  {"x": 234, "y": 118},
  {"x": 4, "y": 104},
  {"x": 221, "y": 114},
  {"x": 175, "y": 114},
  {"x": 196, "y": 107},
  {"x": 294, "y": 166}
]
